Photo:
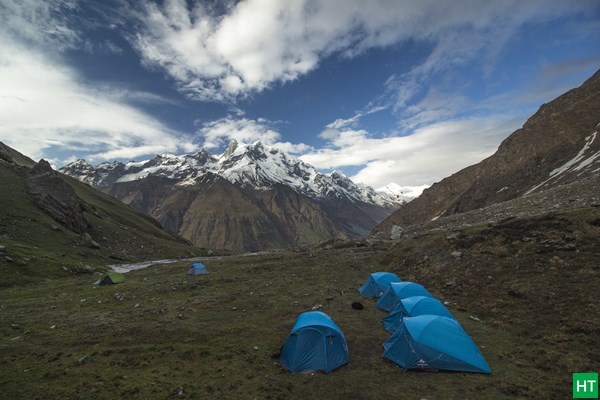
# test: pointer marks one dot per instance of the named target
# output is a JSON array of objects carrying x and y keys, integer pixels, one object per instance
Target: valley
[{"x": 163, "y": 334}]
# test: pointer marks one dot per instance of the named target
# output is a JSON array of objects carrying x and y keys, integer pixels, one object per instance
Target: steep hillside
[
  {"x": 52, "y": 225},
  {"x": 251, "y": 197},
  {"x": 556, "y": 146}
]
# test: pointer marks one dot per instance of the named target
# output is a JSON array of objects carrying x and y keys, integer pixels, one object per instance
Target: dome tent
[
  {"x": 434, "y": 342},
  {"x": 400, "y": 290},
  {"x": 413, "y": 307},
  {"x": 197, "y": 269},
  {"x": 377, "y": 283},
  {"x": 315, "y": 343},
  {"x": 111, "y": 278}
]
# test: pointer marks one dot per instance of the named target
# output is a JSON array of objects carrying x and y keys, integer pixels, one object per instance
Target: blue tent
[
  {"x": 413, "y": 307},
  {"x": 377, "y": 283},
  {"x": 398, "y": 291},
  {"x": 315, "y": 343},
  {"x": 434, "y": 342},
  {"x": 197, "y": 269}
]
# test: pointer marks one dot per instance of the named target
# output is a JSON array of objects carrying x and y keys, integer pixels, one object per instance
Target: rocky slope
[
  {"x": 251, "y": 197},
  {"x": 556, "y": 146},
  {"x": 51, "y": 224}
]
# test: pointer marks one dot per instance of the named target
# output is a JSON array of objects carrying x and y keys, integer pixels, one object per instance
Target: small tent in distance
[
  {"x": 315, "y": 343},
  {"x": 197, "y": 269},
  {"x": 413, "y": 307},
  {"x": 434, "y": 342},
  {"x": 111, "y": 278},
  {"x": 377, "y": 283},
  {"x": 398, "y": 291}
]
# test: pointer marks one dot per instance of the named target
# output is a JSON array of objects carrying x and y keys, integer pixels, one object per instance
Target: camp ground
[
  {"x": 377, "y": 283},
  {"x": 397, "y": 291},
  {"x": 112, "y": 278},
  {"x": 315, "y": 343},
  {"x": 425, "y": 335},
  {"x": 197, "y": 269}
]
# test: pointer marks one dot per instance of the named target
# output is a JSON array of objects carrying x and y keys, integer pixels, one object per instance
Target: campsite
[{"x": 163, "y": 332}]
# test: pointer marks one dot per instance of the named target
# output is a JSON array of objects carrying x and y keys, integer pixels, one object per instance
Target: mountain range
[
  {"x": 251, "y": 197},
  {"x": 558, "y": 145}
]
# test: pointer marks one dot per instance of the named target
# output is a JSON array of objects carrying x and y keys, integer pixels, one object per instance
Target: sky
[{"x": 385, "y": 91}]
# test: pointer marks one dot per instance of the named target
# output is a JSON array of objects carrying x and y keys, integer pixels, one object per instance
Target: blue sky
[{"x": 383, "y": 90}]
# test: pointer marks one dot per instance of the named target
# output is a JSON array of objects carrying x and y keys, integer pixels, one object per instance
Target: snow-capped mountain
[
  {"x": 251, "y": 197},
  {"x": 401, "y": 194},
  {"x": 255, "y": 166}
]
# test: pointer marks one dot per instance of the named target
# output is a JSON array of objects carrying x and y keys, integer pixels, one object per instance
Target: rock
[
  {"x": 396, "y": 232},
  {"x": 474, "y": 318},
  {"x": 595, "y": 204},
  {"x": 84, "y": 360},
  {"x": 7, "y": 258},
  {"x": 90, "y": 242},
  {"x": 516, "y": 293},
  {"x": 2, "y": 247},
  {"x": 450, "y": 283},
  {"x": 15, "y": 326},
  {"x": 453, "y": 235},
  {"x": 54, "y": 227},
  {"x": 457, "y": 254},
  {"x": 56, "y": 198},
  {"x": 317, "y": 307},
  {"x": 178, "y": 391},
  {"x": 357, "y": 305},
  {"x": 255, "y": 348},
  {"x": 53, "y": 327},
  {"x": 233, "y": 308},
  {"x": 526, "y": 239}
]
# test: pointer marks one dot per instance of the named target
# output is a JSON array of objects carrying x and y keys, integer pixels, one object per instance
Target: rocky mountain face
[
  {"x": 52, "y": 225},
  {"x": 558, "y": 145},
  {"x": 251, "y": 197}
]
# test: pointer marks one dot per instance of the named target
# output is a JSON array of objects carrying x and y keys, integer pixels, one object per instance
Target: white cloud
[
  {"x": 258, "y": 43},
  {"x": 430, "y": 154},
  {"x": 39, "y": 22},
  {"x": 218, "y": 133},
  {"x": 43, "y": 105}
]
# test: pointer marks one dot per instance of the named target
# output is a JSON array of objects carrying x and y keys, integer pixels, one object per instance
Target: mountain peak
[
  {"x": 254, "y": 166},
  {"x": 233, "y": 144}
]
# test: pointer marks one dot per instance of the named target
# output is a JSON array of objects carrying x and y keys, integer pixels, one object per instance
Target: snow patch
[{"x": 575, "y": 164}]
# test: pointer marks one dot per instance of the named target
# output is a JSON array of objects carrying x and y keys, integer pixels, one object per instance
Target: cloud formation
[
  {"x": 255, "y": 44},
  {"x": 218, "y": 133},
  {"x": 426, "y": 156},
  {"x": 44, "y": 104}
]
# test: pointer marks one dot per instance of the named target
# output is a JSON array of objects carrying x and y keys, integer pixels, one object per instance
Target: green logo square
[{"x": 585, "y": 385}]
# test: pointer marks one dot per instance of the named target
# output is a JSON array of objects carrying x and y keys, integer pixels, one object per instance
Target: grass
[
  {"x": 217, "y": 336},
  {"x": 35, "y": 247}
]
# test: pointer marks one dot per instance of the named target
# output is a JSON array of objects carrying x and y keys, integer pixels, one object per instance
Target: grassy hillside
[
  {"x": 35, "y": 246},
  {"x": 163, "y": 334}
]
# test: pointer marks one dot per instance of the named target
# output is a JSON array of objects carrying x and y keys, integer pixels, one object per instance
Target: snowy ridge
[
  {"x": 401, "y": 193},
  {"x": 254, "y": 166},
  {"x": 578, "y": 163}
]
